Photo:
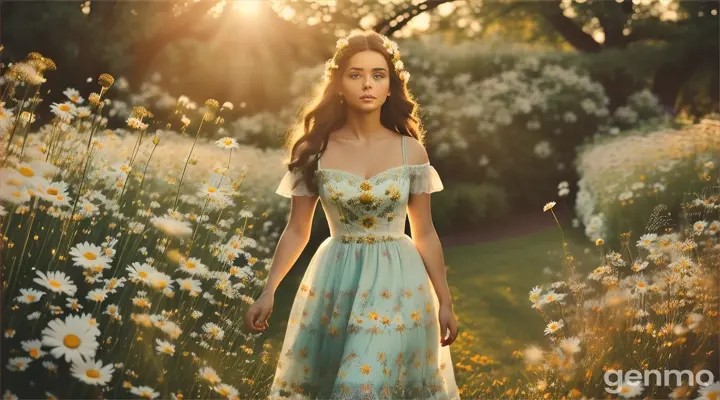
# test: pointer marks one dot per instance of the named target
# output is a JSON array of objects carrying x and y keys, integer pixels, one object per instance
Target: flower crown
[{"x": 390, "y": 46}]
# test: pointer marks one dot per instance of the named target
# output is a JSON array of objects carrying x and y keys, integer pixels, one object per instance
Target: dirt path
[{"x": 515, "y": 225}]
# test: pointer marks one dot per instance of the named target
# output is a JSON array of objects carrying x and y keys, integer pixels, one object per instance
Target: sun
[{"x": 247, "y": 7}]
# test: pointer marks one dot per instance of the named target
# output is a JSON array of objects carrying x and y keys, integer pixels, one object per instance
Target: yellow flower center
[
  {"x": 52, "y": 191},
  {"x": 211, "y": 189},
  {"x": 228, "y": 142},
  {"x": 92, "y": 373},
  {"x": 60, "y": 197},
  {"x": 34, "y": 353},
  {"x": 31, "y": 297},
  {"x": 189, "y": 265},
  {"x": 71, "y": 341},
  {"x": 143, "y": 274},
  {"x": 187, "y": 285},
  {"x": 26, "y": 172},
  {"x": 90, "y": 256},
  {"x": 55, "y": 283}
]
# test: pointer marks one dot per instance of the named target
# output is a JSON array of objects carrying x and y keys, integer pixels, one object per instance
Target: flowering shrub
[
  {"x": 623, "y": 178},
  {"x": 130, "y": 254},
  {"x": 655, "y": 309}
]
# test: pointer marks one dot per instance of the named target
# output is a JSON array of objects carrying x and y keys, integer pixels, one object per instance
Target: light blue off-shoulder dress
[{"x": 364, "y": 323}]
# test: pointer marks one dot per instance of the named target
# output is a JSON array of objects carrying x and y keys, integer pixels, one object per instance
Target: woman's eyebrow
[{"x": 374, "y": 69}]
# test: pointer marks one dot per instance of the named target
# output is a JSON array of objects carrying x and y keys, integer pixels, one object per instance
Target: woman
[{"x": 373, "y": 317}]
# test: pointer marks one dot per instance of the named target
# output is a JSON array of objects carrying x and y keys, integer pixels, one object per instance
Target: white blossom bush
[{"x": 621, "y": 179}]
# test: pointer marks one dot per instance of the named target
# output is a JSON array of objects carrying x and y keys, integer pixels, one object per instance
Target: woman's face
[{"x": 367, "y": 73}]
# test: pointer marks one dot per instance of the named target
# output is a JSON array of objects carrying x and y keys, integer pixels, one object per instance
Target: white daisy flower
[
  {"x": 193, "y": 266},
  {"x": 29, "y": 296},
  {"x": 160, "y": 281},
  {"x": 8, "y": 395},
  {"x": 554, "y": 326},
  {"x": 213, "y": 331},
  {"x": 549, "y": 206},
  {"x": 165, "y": 347},
  {"x": 699, "y": 227},
  {"x": 226, "y": 390},
  {"x": 551, "y": 297},
  {"x": 73, "y": 95},
  {"x": 56, "y": 281},
  {"x": 171, "y": 329},
  {"x": 209, "y": 374},
  {"x": 570, "y": 345},
  {"x": 647, "y": 240},
  {"x": 97, "y": 295},
  {"x": 136, "y": 123},
  {"x": 227, "y": 143},
  {"x": 19, "y": 363},
  {"x": 627, "y": 389},
  {"x": 190, "y": 285},
  {"x": 172, "y": 227},
  {"x": 88, "y": 255},
  {"x": 145, "y": 392},
  {"x": 141, "y": 273},
  {"x": 709, "y": 392},
  {"x": 33, "y": 316},
  {"x": 73, "y": 338},
  {"x": 533, "y": 355},
  {"x": 65, "y": 111},
  {"x": 50, "y": 366},
  {"x": 33, "y": 347},
  {"x": 92, "y": 372}
]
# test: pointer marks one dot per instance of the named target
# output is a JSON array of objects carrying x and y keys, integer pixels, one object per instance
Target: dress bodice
[{"x": 366, "y": 210}]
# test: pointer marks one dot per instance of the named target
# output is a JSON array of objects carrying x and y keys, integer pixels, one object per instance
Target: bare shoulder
[{"x": 415, "y": 151}]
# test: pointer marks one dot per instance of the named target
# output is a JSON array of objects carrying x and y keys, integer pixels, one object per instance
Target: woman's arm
[
  {"x": 428, "y": 244},
  {"x": 426, "y": 240},
  {"x": 423, "y": 231},
  {"x": 292, "y": 241}
]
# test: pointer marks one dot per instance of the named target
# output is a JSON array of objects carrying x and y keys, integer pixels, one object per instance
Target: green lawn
[{"x": 490, "y": 284}]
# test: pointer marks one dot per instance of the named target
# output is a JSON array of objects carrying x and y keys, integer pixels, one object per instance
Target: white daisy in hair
[
  {"x": 92, "y": 372},
  {"x": 73, "y": 338},
  {"x": 56, "y": 281}
]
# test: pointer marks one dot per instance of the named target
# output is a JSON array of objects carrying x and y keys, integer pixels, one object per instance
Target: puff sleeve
[
  {"x": 285, "y": 188},
  {"x": 424, "y": 179}
]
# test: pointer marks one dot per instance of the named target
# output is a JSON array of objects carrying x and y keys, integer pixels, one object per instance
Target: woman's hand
[
  {"x": 446, "y": 316},
  {"x": 258, "y": 314}
]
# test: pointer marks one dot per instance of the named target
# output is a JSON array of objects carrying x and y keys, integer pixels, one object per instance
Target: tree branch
[
  {"x": 568, "y": 29},
  {"x": 384, "y": 27}
]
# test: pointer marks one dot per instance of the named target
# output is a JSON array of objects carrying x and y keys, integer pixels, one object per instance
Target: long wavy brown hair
[{"x": 324, "y": 113}]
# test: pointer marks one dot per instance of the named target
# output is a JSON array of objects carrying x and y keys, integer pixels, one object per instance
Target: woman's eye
[{"x": 378, "y": 76}]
